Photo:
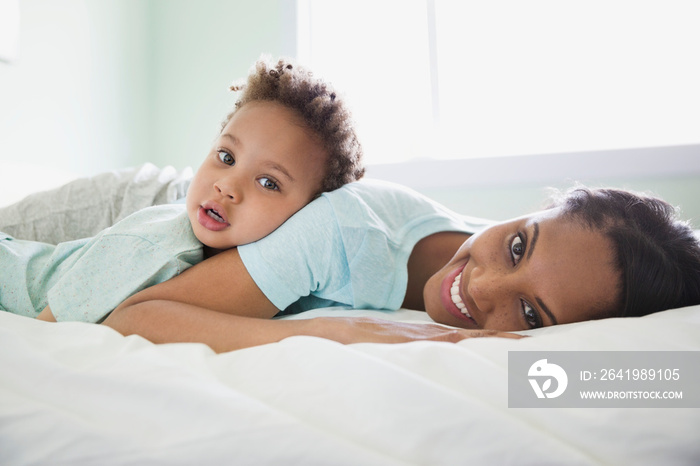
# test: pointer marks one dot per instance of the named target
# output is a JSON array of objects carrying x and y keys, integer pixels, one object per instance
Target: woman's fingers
[
  {"x": 492, "y": 333},
  {"x": 371, "y": 330}
]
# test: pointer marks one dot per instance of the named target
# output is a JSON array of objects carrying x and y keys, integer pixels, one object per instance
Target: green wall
[
  {"x": 105, "y": 84},
  {"x": 198, "y": 49}
]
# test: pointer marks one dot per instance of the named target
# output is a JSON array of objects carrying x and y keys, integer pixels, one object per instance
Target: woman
[{"x": 592, "y": 254}]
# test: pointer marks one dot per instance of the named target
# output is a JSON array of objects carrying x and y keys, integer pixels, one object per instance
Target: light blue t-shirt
[
  {"x": 350, "y": 247},
  {"x": 84, "y": 280}
]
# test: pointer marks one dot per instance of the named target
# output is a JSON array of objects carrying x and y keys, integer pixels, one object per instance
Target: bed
[{"x": 75, "y": 393}]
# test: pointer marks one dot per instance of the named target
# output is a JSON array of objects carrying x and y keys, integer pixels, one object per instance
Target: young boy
[{"x": 288, "y": 139}]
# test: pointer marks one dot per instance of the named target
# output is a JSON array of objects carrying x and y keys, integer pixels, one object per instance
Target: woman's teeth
[
  {"x": 213, "y": 214},
  {"x": 456, "y": 298}
]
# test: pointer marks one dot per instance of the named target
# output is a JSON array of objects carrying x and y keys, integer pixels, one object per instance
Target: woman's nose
[{"x": 487, "y": 289}]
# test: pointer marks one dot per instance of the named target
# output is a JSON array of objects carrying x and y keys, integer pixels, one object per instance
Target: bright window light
[
  {"x": 9, "y": 30},
  {"x": 452, "y": 79},
  {"x": 375, "y": 53}
]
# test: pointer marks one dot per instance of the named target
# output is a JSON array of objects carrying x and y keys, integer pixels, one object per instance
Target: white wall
[
  {"x": 105, "y": 84},
  {"x": 506, "y": 187}
]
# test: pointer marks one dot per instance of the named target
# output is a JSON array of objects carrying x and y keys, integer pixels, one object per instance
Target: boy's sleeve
[
  {"x": 305, "y": 255},
  {"x": 108, "y": 272}
]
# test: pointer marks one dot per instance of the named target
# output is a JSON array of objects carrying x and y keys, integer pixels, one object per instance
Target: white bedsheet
[{"x": 74, "y": 393}]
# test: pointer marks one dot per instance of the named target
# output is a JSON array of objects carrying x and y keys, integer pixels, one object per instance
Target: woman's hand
[{"x": 369, "y": 330}]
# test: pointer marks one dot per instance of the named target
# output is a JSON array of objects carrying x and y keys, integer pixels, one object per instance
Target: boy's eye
[
  {"x": 226, "y": 157},
  {"x": 267, "y": 183},
  {"x": 517, "y": 249}
]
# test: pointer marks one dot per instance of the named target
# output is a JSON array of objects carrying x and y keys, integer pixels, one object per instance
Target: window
[
  {"x": 9, "y": 30},
  {"x": 453, "y": 79}
]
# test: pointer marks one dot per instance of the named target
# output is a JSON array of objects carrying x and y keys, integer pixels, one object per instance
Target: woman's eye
[
  {"x": 267, "y": 183},
  {"x": 517, "y": 249},
  {"x": 531, "y": 316},
  {"x": 226, "y": 157}
]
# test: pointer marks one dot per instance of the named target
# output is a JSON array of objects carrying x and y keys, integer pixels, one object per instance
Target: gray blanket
[{"x": 85, "y": 206}]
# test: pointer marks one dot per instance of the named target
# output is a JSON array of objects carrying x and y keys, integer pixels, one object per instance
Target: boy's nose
[{"x": 229, "y": 191}]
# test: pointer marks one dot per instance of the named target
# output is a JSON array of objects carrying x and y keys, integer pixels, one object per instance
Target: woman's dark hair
[
  {"x": 320, "y": 108},
  {"x": 657, "y": 255}
]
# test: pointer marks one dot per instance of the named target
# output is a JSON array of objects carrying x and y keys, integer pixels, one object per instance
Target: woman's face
[{"x": 533, "y": 271}]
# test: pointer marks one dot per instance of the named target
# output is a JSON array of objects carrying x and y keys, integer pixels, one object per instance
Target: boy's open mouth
[
  {"x": 215, "y": 215},
  {"x": 212, "y": 216}
]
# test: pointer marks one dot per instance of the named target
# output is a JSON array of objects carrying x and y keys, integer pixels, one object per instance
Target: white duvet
[
  {"x": 75, "y": 393},
  {"x": 81, "y": 394}
]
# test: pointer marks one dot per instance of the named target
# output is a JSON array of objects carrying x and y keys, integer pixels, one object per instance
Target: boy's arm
[{"x": 46, "y": 315}]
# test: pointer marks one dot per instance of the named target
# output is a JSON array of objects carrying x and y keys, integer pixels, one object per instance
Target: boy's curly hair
[{"x": 318, "y": 105}]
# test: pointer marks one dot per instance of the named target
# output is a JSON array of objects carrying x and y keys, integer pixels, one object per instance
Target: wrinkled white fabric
[{"x": 79, "y": 394}]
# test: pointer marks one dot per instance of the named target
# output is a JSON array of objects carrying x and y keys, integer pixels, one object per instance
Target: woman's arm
[
  {"x": 163, "y": 321},
  {"x": 169, "y": 322},
  {"x": 211, "y": 302},
  {"x": 217, "y": 303},
  {"x": 220, "y": 283}
]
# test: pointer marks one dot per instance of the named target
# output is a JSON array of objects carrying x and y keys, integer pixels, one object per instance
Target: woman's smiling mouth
[
  {"x": 456, "y": 298},
  {"x": 451, "y": 297}
]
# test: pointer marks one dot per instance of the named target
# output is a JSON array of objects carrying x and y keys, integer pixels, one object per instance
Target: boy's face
[
  {"x": 538, "y": 270},
  {"x": 264, "y": 166}
]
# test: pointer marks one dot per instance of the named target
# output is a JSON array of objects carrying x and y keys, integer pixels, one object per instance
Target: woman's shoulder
[
  {"x": 381, "y": 202},
  {"x": 373, "y": 188}
]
